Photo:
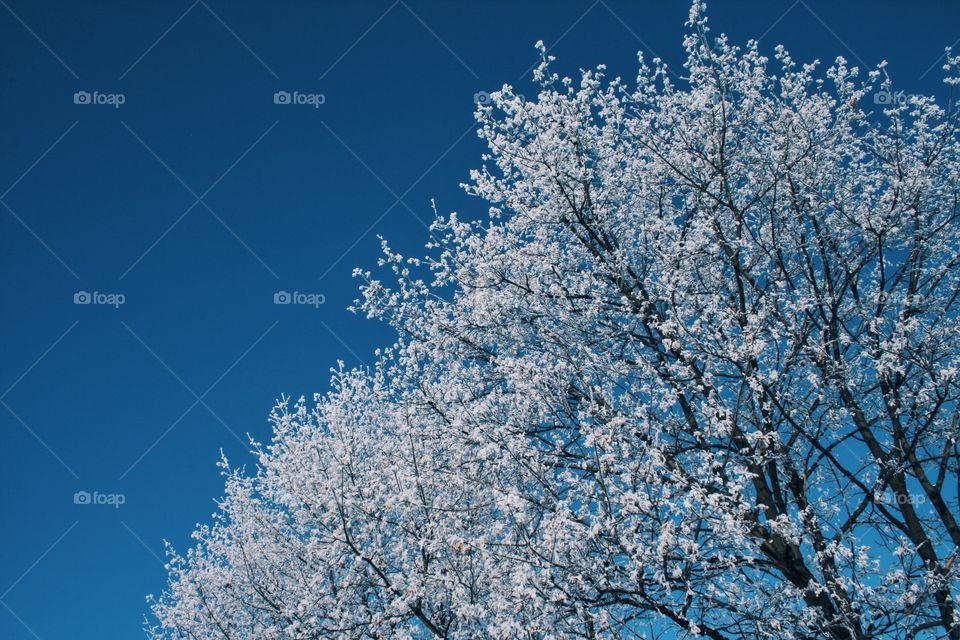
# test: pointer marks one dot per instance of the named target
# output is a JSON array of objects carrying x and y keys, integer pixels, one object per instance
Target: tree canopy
[{"x": 695, "y": 374}]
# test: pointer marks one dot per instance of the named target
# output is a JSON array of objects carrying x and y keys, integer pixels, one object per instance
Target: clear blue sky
[{"x": 198, "y": 198}]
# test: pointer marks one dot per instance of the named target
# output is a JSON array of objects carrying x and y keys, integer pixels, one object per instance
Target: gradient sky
[{"x": 198, "y": 199}]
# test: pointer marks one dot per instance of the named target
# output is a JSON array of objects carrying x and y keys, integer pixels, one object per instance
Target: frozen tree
[{"x": 696, "y": 374}]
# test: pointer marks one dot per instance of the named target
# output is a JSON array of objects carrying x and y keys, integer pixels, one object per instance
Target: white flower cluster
[{"x": 696, "y": 375}]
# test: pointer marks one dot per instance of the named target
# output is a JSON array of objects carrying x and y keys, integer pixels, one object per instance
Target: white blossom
[{"x": 695, "y": 375}]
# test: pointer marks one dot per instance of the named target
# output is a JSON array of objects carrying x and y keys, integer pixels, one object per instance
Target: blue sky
[{"x": 199, "y": 198}]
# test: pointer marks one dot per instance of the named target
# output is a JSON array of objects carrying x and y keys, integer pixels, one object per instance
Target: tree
[{"x": 695, "y": 375}]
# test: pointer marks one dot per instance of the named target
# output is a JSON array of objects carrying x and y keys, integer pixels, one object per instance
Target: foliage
[{"x": 696, "y": 374}]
